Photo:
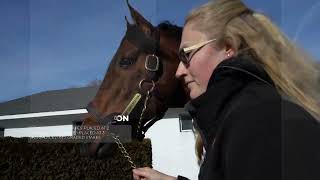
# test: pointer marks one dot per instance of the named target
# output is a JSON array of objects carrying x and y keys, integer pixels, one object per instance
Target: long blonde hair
[{"x": 250, "y": 33}]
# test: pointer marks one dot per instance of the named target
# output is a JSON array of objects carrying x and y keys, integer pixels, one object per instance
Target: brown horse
[{"x": 144, "y": 63}]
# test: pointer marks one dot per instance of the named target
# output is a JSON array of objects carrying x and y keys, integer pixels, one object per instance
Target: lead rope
[{"x": 122, "y": 149}]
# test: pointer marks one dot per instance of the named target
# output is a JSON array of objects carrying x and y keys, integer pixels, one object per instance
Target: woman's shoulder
[
  {"x": 258, "y": 97},
  {"x": 262, "y": 105},
  {"x": 261, "y": 120},
  {"x": 256, "y": 94}
]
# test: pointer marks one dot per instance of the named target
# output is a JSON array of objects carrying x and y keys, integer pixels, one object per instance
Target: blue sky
[{"x": 57, "y": 44}]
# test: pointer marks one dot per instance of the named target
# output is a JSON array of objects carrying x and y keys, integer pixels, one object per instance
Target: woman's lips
[{"x": 187, "y": 83}]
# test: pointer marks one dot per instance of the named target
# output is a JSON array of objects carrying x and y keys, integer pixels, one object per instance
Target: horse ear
[
  {"x": 128, "y": 23},
  {"x": 140, "y": 21}
]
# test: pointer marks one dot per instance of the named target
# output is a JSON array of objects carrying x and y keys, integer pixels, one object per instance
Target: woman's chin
[
  {"x": 193, "y": 94},
  {"x": 195, "y": 91}
]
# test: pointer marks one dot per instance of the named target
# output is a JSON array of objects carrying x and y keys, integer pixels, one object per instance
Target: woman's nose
[{"x": 182, "y": 70}]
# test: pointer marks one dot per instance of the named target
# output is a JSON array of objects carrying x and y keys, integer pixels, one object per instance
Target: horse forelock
[
  {"x": 173, "y": 30},
  {"x": 149, "y": 42}
]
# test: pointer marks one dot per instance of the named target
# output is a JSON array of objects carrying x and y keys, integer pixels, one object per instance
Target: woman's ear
[
  {"x": 230, "y": 47},
  {"x": 230, "y": 52}
]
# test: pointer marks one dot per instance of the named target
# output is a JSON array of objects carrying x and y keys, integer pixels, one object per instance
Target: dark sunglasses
[{"x": 186, "y": 54}]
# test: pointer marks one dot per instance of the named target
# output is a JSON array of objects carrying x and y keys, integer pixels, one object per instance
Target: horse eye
[{"x": 125, "y": 62}]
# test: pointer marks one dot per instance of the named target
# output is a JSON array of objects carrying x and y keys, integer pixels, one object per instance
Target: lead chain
[
  {"x": 122, "y": 149},
  {"x": 143, "y": 110}
]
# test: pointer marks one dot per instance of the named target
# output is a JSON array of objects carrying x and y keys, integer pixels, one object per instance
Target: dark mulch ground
[{"x": 20, "y": 159}]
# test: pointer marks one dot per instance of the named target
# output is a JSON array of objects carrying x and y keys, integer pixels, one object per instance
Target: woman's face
[{"x": 203, "y": 61}]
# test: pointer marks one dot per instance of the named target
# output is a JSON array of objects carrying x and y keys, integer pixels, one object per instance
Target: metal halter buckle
[
  {"x": 148, "y": 62},
  {"x": 150, "y": 81}
]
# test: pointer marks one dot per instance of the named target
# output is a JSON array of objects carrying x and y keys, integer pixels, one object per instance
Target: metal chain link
[
  {"x": 143, "y": 110},
  {"x": 122, "y": 149}
]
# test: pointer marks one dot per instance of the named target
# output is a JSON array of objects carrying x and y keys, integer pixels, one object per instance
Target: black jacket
[{"x": 249, "y": 131}]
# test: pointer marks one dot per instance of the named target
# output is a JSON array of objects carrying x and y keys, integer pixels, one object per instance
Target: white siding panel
[
  {"x": 65, "y": 130},
  {"x": 173, "y": 151}
]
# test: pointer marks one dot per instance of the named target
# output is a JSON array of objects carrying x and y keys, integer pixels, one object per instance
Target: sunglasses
[{"x": 186, "y": 54}]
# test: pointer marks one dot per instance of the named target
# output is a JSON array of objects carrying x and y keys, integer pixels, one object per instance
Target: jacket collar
[{"x": 227, "y": 80}]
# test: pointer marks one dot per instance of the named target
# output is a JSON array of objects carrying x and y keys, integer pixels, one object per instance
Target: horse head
[{"x": 140, "y": 81}]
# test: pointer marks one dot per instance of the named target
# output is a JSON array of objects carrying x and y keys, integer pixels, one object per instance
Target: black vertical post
[
  {"x": 1, "y": 132},
  {"x": 75, "y": 124}
]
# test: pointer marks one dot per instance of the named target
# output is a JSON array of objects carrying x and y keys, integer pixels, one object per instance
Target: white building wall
[{"x": 173, "y": 151}]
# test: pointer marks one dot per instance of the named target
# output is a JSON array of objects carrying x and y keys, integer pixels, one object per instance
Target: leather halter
[{"x": 153, "y": 68}]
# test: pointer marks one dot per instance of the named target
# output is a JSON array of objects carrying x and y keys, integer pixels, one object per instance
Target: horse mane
[{"x": 173, "y": 30}]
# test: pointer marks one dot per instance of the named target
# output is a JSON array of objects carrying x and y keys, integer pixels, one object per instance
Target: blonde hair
[{"x": 249, "y": 33}]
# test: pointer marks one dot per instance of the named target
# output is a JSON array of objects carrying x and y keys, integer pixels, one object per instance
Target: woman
[{"x": 253, "y": 97}]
